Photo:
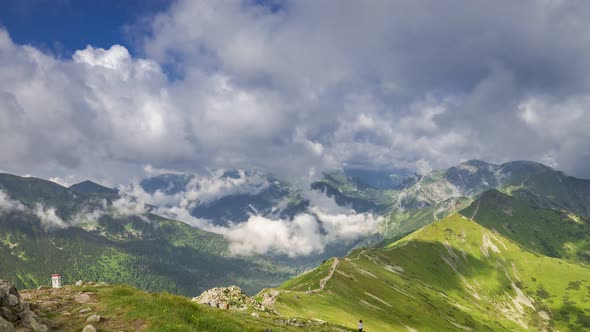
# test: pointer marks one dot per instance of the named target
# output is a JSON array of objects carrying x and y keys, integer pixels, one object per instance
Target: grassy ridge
[
  {"x": 124, "y": 308},
  {"x": 451, "y": 275}
]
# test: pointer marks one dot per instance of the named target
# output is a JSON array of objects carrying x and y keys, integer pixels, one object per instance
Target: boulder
[
  {"x": 89, "y": 328},
  {"x": 23, "y": 306},
  {"x": 16, "y": 315},
  {"x": 6, "y": 326},
  {"x": 79, "y": 283},
  {"x": 30, "y": 320},
  {"x": 21, "y": 328},
  {"x": 13, "y": 300},
  {"x": 8, "y": 315},
  {"x": 7, "y": 293},
  {"x": 82, "y": 298},
  {"x": 93, "y": 319}
]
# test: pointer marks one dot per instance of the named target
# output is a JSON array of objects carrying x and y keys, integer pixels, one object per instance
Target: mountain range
[
  {"x": 498, "y": 265},
  {"x": 477, "y": 246}
]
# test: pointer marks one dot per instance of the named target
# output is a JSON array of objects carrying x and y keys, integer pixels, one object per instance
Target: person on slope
[{"x": 361, "y": 325}]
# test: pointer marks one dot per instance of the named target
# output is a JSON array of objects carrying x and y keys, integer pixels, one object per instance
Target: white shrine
[{"x": 56, "y": 281}]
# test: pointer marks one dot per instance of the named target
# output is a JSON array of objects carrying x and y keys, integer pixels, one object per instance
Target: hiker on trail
[{"x": 361, "y": 325}]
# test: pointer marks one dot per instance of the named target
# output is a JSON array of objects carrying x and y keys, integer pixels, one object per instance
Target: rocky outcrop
[
  {"x": 231, "y": 297},
  {"x": 16, "y": 314}
]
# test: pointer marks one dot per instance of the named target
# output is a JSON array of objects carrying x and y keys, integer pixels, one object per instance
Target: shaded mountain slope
[
  {"x": 443, "y": 192},
  {"x": 89, "y": 187},
  {"x": 549, "y": 232},
  {"x": 87, "y": 237}
]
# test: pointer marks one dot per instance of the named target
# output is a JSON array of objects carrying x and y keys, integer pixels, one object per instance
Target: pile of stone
[
  {"x": 231, "y": 297},
  {"x": 16, "y": 314}
]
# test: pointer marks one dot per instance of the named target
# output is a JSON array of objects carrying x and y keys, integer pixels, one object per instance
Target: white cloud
[
  {"x": 308, "y": 233},
  {"x": 129, "y": 206},
  {"x": 90, "y": 214},
  {"x": 347, "y": 227},
  {"x": 203, "y": 189},
  {"x": 63, "y": 181},
  {"x": 300, "y": 89},
  {"x": 260, "y": 235},
  {"x": 48, "y": 217},
  {"x": 7, "y": 204}
]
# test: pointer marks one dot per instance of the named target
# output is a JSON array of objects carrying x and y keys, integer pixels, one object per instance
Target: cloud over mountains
[
  {"x": 302, "y": 86},
  {"x": 307, "y": 232}
]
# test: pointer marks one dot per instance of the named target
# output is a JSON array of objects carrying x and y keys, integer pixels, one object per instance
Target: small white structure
[{"x": 56, "y": 281}]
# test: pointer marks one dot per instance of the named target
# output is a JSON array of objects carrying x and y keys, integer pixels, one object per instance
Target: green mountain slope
[
  {"x": 451, "y": 275},
  {"x": 349, "y": 191},
  {"x": 92, "y": 240},
  {"x": 549, "y": 232},
  {"x": 443, "y": 192},
  {"x": 407, "y": 221},
  {"x": 30, "y": 191},
  {"x": 161, "y": 255}
]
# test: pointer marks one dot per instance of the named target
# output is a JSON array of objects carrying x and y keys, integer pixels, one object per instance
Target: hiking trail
[
  {"x": 475, "y": 212},
  {"x": 329, "y": 276}
]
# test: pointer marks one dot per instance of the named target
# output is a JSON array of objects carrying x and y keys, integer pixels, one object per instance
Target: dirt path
[
  {"x": 357, "y": 257},
  {"x": 329, "y": 276},
  {"x": 475, "y": 212}
]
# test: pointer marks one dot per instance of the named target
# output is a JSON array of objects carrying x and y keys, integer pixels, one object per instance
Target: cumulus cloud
[
  {"x": 202, "y": 190},
  {"x": 48, "y": 217},
  {"x": 298, "y": 88},
  {"x": 260, "y": 235},
  {"x": 347, "y": 226},
  {"x": 129, "y": 206},
  {"x": 7, "y": 204},
  {"x": 306, "y": 233}
]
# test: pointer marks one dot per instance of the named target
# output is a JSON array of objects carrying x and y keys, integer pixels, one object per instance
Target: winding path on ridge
[{"x": 329, "y": 276}]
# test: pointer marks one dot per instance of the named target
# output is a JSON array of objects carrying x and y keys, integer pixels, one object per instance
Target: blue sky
[{"x": 64, "y": 26}]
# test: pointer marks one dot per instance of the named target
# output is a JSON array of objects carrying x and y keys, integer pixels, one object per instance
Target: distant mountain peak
[{"x": 89, "y": 187}]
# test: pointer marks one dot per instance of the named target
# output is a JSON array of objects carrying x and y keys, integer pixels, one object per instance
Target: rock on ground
[
  {"x": 89, "y": 328},
  {"x": 82, "y": 298},
  {"x": 6, "y": 326},
  {"x": 14, "y": 312},
  {"x": 93, "y": 319},
  {"x": 231, "y": 297}
]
